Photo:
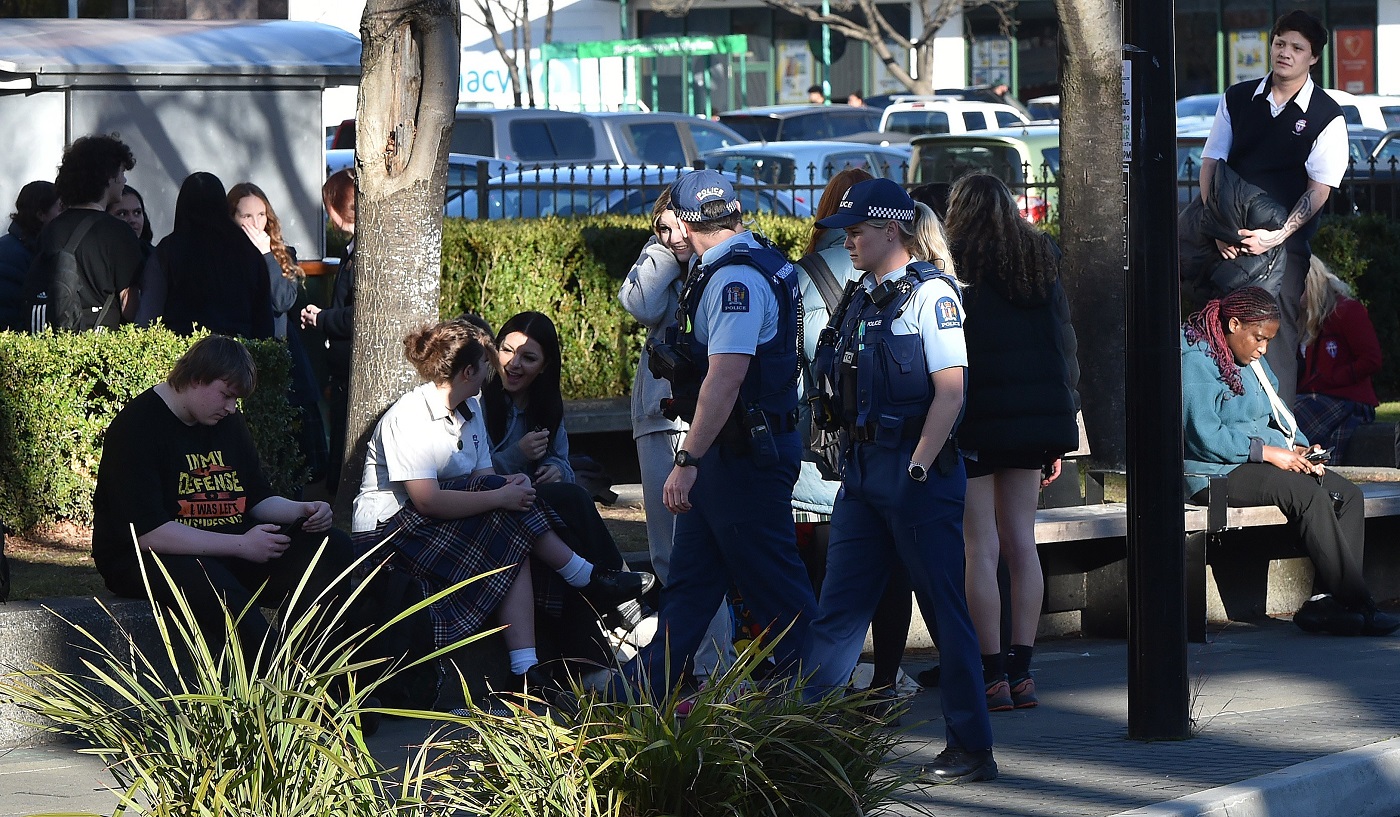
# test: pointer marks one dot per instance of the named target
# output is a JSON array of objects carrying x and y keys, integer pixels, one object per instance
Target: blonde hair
[
  {"x": 922, "y": 238},
  {"x": 1321, "y": 290}
]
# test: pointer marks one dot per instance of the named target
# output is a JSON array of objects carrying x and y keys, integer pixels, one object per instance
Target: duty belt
[{"x": 912, "y": 428}]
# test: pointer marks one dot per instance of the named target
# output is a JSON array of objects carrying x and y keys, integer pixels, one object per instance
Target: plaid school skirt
[{"x": 442, "y": 552}]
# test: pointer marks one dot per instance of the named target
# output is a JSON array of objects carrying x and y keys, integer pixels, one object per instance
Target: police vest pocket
[
  {"x": 889, "y": 431},
  {"x": 903, "y": 377}
]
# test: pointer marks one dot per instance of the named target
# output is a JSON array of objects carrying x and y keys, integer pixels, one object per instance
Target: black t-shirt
[
  {"x": 109, "y": 257},
  {"x": 155, "y": 469}
]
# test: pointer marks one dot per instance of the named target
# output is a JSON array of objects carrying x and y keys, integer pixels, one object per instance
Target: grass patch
[
  {"x": 1388, "y": 412},
  {"x": 52, "y": 560}
]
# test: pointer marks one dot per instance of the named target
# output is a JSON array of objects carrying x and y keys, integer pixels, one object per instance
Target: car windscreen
[
  {"x": 1196, "y": 106},
  {"x": 1387, "y": 158},
  {"x": 657, "y": 143},
  {"x": 755, "y": 167},
  {"x": 753, "y": 128},
  {"x": 1391, "y": 114},
  {"x": 917, "y": 122},
  {"x": 948, "y": 163}
]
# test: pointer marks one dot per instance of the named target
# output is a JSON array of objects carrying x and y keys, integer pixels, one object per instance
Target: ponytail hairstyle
[
  {"x": 243, "y": 190},
  {"x": 1321, "y": 291},
  {"x": 545, "y": 408},
  {"x": 1247, "y": 305},
  {"x": 922, "y": 238},
  {"x": 440, "y": 352},
  {"x": 831, "y": 200}
]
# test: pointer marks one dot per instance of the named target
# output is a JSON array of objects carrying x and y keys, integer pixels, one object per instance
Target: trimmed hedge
[
  {"x": 62, "y": 390},
  {"x": 1364, "y": 251},
  {"x": 571, "y": 270}
]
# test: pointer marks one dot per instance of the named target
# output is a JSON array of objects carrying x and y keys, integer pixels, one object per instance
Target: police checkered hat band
[
  {"x": 694, "y": 189},
  {"x": 871, "y": 199}
]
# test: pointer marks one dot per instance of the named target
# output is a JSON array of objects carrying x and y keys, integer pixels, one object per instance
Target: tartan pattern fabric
[
  {"x": 442, "y": 552},
  {"x": 1329, "y": 421}
]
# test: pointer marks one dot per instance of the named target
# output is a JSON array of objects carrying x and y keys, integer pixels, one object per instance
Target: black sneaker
[
  {"x": 963, "y": 766},
  {"x": 609, "y": 588},
  {"x": 1324, "y": 614}
]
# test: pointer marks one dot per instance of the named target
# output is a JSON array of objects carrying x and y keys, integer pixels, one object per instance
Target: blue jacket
[
  {"x": 15, "y": 257},
  {"x": 1223, "y": 429}
]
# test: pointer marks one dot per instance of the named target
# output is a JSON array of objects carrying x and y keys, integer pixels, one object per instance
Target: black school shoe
[
  {"x": 609, "y": 588},
  {"x": 1324, "y": 614},
  {"x": 963, "y": 766},
  {"x": 1378, "y": 623}
]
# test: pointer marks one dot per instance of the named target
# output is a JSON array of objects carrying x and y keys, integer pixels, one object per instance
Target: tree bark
[
  {"x": 1091, "y": 214},
  {"x": 406, "y": 109}
]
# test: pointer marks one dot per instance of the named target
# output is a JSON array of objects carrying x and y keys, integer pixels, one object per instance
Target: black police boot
[{"x": 963, "y": 766}]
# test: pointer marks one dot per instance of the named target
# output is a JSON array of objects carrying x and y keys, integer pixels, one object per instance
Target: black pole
[{"x": 1158, "y": 699}]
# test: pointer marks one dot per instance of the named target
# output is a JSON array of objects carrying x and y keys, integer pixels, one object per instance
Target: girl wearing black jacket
[{"x": 1019, "y": 420}]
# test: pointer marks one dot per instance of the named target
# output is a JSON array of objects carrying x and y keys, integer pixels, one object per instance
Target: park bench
[{"x": 1083, "y": 548}]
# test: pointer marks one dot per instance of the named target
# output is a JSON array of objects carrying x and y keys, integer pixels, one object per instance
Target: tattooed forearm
[{"x": 1308, "y": 205}]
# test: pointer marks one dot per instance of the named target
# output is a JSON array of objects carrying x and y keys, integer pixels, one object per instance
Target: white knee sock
[
  {"x": 521, "y": 660},
  {"x": 578, "y": 572}
]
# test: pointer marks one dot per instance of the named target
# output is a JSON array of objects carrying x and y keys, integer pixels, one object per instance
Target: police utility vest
[
  {"x": 771, "y": 382},
  {"x": 879, "y": 388}
]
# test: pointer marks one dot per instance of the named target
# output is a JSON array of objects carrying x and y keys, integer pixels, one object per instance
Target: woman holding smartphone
[{"x": 1237, "y": 425}]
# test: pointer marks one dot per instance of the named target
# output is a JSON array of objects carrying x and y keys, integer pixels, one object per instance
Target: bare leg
[
  {"x": 1016, "y": 492},
  {"x": 980, "y": 537},
  {"x": 517, "y": 611}
]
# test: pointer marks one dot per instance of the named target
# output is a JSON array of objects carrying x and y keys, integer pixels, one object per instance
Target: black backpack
[{"x": 57, "y": 293}]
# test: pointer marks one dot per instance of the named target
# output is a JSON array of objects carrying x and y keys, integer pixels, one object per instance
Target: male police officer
[
  {"x": 734, "y": 379},
  {"x": 1283, "y": 134}
]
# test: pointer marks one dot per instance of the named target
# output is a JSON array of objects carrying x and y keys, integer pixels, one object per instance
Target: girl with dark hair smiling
[{"x": 525, "y": 407}]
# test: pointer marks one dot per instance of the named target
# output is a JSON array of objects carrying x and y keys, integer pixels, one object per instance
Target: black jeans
[
  {"x": 1335, "y": 541},
  {"x": 205, "y": 580}
]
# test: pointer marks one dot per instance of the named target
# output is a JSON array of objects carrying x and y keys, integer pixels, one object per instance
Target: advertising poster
[
  {"x": 1249, "y": 55},
  {"x": 795, "y": 71},
  {"x": 1354, "y": 49},
  {"x": 991, "y": 61}
]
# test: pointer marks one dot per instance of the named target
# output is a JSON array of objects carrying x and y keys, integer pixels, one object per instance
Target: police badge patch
[
  {"x": 734, "y": 298},
  {"x": 947, "y": 311}
]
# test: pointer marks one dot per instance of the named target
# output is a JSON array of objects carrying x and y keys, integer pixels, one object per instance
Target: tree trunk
[
  {"x": 1091, "y": 213},
  {"x": 408, "y": 97}
]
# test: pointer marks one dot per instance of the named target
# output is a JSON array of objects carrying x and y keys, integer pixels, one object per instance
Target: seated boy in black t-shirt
[{"x": 180, "y": 475}]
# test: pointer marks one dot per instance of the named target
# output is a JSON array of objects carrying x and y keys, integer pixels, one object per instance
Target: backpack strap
[{"x": 820, "y": 272}]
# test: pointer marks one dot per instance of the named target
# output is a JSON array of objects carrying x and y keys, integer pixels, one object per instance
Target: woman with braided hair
[{"x": 1237, "y": 425}]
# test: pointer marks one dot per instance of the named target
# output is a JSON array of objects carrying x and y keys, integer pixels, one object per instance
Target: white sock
[
  {"x": 578, "y": 572},
  {"x": 521, "y": 660}
]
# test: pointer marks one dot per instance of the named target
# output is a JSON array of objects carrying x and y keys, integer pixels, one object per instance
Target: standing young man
[
  {"x": 732, "y": 481},
  {"x": 1284, "y": 134},
  {"x": 107, "y": 252}
]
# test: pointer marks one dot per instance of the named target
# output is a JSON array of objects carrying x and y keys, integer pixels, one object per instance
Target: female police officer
[{"x": 893, "y": 366}]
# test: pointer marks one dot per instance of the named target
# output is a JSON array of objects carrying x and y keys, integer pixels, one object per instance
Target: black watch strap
[{"x": 685, "y": 460}]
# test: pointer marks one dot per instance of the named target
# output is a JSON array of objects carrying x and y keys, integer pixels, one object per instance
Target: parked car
[
  {"x": 462, "y": 168},
  {"x": 1027, "y": 158},
  {"x": 1380, "y": 112},
  {"x": 670, "y": 139},
  {"x": 806, "y": 167},
  {"x": 1362, "y": 143},
  {"x": 617, "y": 189},
  {"x": 949, "y": 116},
  {"x": 1044, "y": 108},
  {"x": 1196, "y": 110},
  {"x": 534, "y": 135},
  {"x": 1372, "y": 183},
  {"x": 787, "y": 123}
]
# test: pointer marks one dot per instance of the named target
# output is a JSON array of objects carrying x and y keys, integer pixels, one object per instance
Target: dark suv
[{"x": 525, "y": 135}]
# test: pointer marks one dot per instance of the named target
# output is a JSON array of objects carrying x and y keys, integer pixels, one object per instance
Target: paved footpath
[{"x": 1286, "y": 724}]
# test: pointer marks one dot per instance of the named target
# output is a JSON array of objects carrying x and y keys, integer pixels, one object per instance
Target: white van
[{"x": 936, "y": 115}]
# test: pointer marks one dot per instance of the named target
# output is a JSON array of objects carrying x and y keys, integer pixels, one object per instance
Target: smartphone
[
  {"x": 294, "y": 528},
  {"x": 1318, "y": 456}
]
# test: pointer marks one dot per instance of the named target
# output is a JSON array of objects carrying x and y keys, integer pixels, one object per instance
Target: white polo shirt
[{"x": 417, "y": 438}]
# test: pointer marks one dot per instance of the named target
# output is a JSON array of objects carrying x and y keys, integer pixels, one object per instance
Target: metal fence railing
[{"x": 491, "y": 190}]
